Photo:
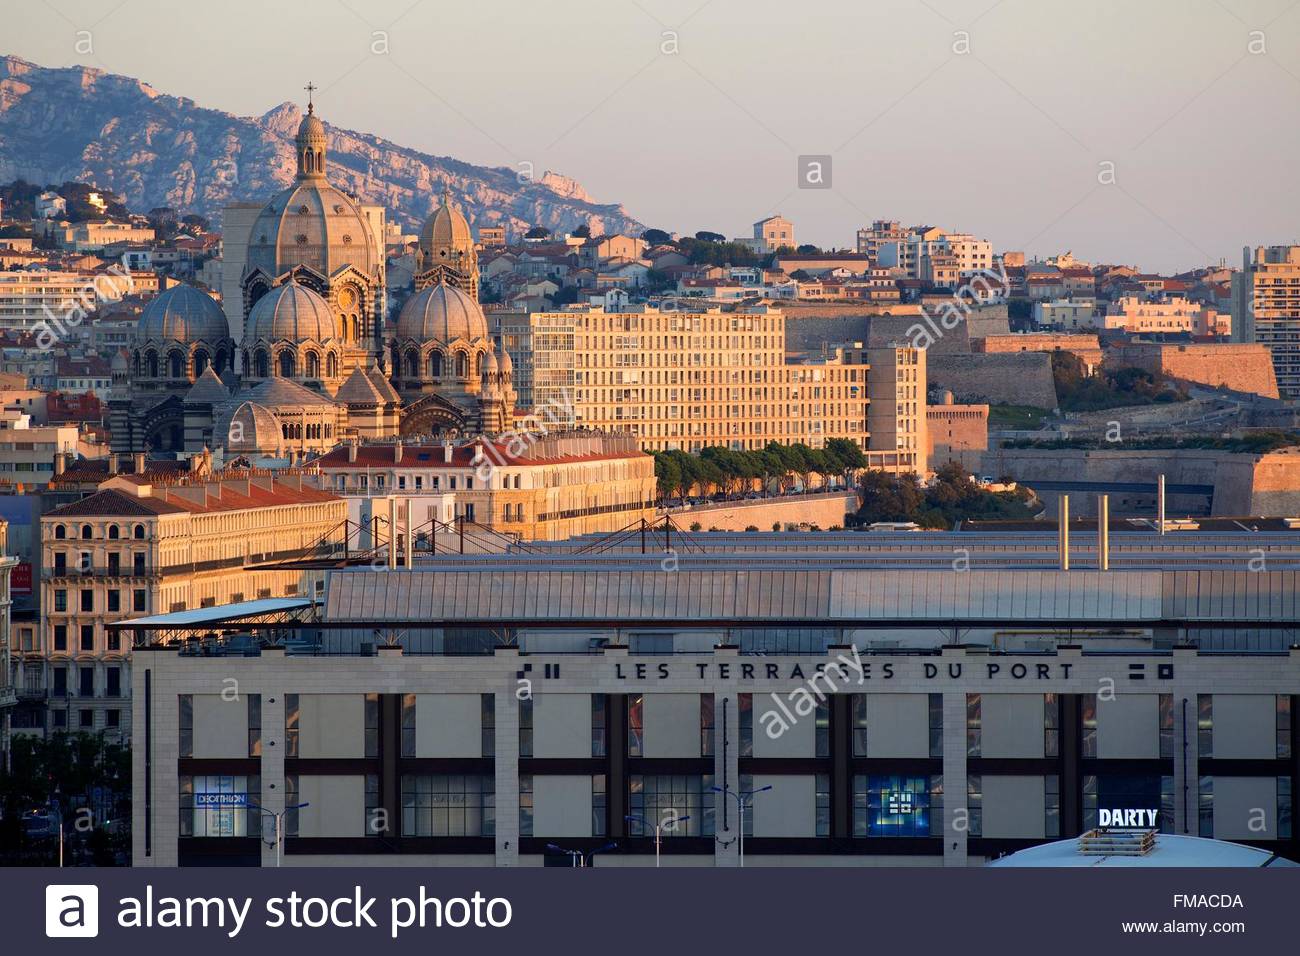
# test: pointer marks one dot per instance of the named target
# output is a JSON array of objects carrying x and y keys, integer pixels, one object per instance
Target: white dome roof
[
  {"x": 441, "y": 313},
  {"x": 291, "y": 312},
  {"x": 183, "y": 314}
]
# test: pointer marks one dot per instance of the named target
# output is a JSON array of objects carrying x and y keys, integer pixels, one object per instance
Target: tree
[
  {"x": 706, "y": 236},
  {"x": 656, "y": 237},
  {"x": 668, "y": 474},
  {"x": 538, "y": 232},
  {"x": 847, "y": 456},
  {"x": 583, "y": 231}
]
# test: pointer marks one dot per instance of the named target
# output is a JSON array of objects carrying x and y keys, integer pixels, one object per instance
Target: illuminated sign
[
  {"x": 1128, "y": 819},
  {"x": 221, "y": 799}
]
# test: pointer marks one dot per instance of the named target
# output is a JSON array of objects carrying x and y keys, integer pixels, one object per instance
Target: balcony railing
[{"x": 123, "y": 571}]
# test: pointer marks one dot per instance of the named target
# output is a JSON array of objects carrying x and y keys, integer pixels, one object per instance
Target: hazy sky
[{"x": 1002, "y": 135}]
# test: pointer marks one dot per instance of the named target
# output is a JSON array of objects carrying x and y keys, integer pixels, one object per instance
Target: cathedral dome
[
  {"x": 183, "y": 314},
  {"x": 447, "y": 229},
  {"x": 291, "y": 312},
  {"x": 253, "y": 429},
  {"x": 312, "y": 223},
  {"x": 441, "y": 313}
]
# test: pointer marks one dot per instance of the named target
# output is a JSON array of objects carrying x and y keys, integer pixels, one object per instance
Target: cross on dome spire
[{"x": 310, "y": 88}]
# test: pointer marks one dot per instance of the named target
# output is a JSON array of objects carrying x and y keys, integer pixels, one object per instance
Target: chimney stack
[
  {"x": 1160, "y": 502},
  {"x": 1103, "y": 532},
  {"x": 352, "y": 451},
  {"x": 1063, "y": 535},
  {"x": 397, "y": 452},
  {"x": 139, "y": 463},
  {"x": 446, "y": 452},
  {"x": 60, "y": 462},
  {"x": 392, "y": 532},
  {"x": 112, "y": 464}
]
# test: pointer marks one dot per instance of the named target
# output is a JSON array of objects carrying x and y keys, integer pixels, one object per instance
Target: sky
[{"x": 1157, "y": 133}]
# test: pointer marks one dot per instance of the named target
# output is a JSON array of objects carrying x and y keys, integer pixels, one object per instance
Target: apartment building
[
  {"x": 549, "y": 487},
  {"x": 135, "y": 548},
  {"x": 931, "y": 253},
  {"x": 30, "y": 298},
  {"x": 1136, "y": 314},
  {"x": 8, "y": 692},
  {"x": 1266, "y": 309},
  {"x": 689, "y": 380},
  {"x": 31, "y": 455}
]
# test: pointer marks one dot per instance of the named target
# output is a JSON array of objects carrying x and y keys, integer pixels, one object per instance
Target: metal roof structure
[
  {"x": 1170, "y": 850},
  {"x": 258, "y": 611},
  {"x": 540, "y": 591}
]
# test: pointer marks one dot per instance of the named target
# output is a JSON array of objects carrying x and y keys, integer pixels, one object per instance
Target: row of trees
[{"x": 728, "y": 470}]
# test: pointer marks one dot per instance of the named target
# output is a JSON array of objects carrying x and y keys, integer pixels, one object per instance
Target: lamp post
[
  {"x": 575, "y": 856},
  {"x": 658, "y": 827},
  {"x": 607, "y": 846},
  {"x": 744, "y": 799},
  {"x": 279, "y": 825}
]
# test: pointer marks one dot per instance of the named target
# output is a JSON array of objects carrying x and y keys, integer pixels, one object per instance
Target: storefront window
[
  {"x": 220, "y": 806},
  {"x": 666, "y": 798},
  {"x": 437, "y": 805},
  {"x": 891, "y": 805}
]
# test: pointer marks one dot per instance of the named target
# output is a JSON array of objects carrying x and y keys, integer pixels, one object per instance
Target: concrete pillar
[
  {"x": 272, "y": 771},
  {"x": 507, "y": 770},
  {"x": 726, "y": 770},
  {"x": 956, "y": 820}
]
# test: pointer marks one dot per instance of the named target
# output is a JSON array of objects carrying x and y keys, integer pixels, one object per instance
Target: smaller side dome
[
  {"x": 441, "y": 313},
  {"x": 254, "y": 430},
  {"x": 183, "y": 314},
  {"x": 291, "y": 312}
]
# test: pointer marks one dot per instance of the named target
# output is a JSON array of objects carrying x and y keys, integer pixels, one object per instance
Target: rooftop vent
[{"x": 1106, "y": 842}]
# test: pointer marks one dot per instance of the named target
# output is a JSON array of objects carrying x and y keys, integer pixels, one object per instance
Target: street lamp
[
  {"x": 744, "y": 799},
  {"x": 657, "y": 828},
  {"x": 575, "y": 856},
  {"x": 279, "y": 825},
  {"x": 607, "y": 846}
]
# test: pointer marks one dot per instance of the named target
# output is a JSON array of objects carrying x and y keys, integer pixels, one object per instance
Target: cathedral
[{"x": 319, "y": 361}]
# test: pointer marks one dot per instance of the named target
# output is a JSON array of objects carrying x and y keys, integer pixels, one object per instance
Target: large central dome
[{"x": 311, "y": 223}]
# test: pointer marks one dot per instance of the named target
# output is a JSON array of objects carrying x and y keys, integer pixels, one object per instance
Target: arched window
[
  {"x": 286, "y": 364},
  {"x": 138, "y": 532},
  {"x": 113, "y": 532},
  {"x": 60, "y": 532},
  {"x": 176, "y": 363},
  {"x": 219, "y": 363},
  {"x": 87, "y": 532},
  {"x": 260, "y": 364},
  {"x": 200, "y": 362},
  {"x": 137, "y": 365},
  {"x": 313, "y": 365},
  {"x": 435, "y": 364},
  {"x": 412, "y": 364},
  {"x": 462, "y": 365},
  {"x": 332, "y": 365},
  {"x": 151, "y": 363}
]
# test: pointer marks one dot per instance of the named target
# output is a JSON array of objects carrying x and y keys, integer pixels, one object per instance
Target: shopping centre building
[{"x": 866, "y": 699}]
